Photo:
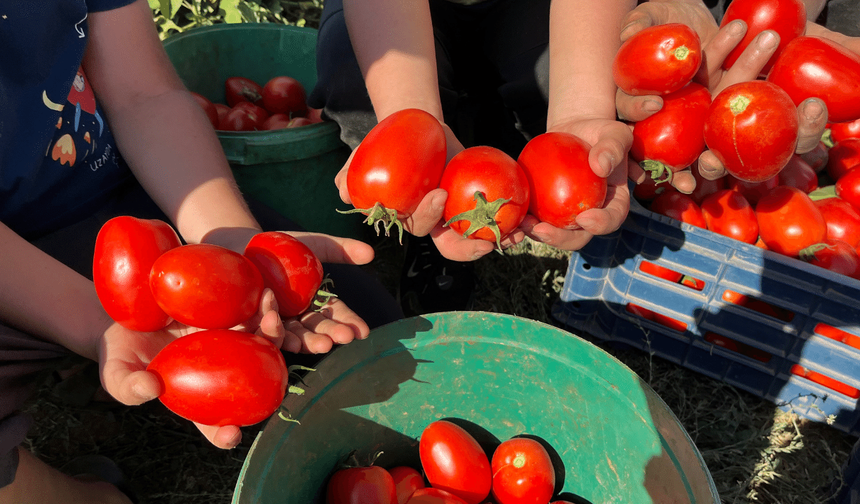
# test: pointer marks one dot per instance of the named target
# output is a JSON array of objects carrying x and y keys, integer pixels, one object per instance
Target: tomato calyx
[
  {"x": 809, "y": 253},
  {"x": 323, "y": 295},
  {"x": 827, "y": 138},
  {"x": 379, "y": 215},
  {"x": 681, "y": 53},
  {"x": 482, "y": 216},
  {"x": 659, "y": 172},
  {"x": 739, "y": 103},
  {"x": 823, "y": 193}
]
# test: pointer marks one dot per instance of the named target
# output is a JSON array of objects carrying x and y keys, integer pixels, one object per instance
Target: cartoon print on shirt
[{"x": 85, "y": 118}]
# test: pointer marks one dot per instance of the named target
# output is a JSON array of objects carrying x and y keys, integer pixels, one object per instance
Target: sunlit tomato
[
  {"x": 289, "y": 268},
  {"x": 752, "y": 191},
  {"x": 221, "y": 377},
  {"x": 208, "y": 107},
  {"x": 841, "y": 131},
  {"x": 704, "y": 186},
  {"x": 361, "y": 485},
  {"x": 406, "y": 481},
  {"x": 728, "y": 213},
  {"x": 126, "y": 248},
  {"x": 660, "y": 271},
  {"x": 454, "y": 461},
  {"x": 206, "y": 286},
  {"x": 562, "y": 184},
  {"x": 399, "y": 161},
  {"x": 285, "y": 95},
  {"x": 752, "y": 128},
  {"x": 848, "y": 188},
  {"x": 672, "y": 138},
  {"x": 843, "y": 220},
  {"x": 522, "y": 472},
  {"x": 680, "y": 207},
  {"x": 786, "y": 17},
  {"x": 488, "y": 193},
  {"x": 430, "y": 495},
  {"x": 789, "y": 221},
  {"x": 842, "y": 157},
  {"x": 239, "y": 89},
  {"x": 657, "y": 60},
  {"x": 834, "y": 255},
  {"x": 276, "y": 122},
  {"x": 798, "y": 173},
  {"x": 817, "y": 67}
]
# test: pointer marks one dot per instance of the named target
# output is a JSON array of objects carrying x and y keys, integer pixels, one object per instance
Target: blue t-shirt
[{"x": 58, "y": 159}]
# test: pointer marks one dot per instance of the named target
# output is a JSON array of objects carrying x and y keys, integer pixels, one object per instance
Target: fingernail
[
  {"x": 439, "y": 201},
  {"x": 234, "y": 441},
  {"x": 585, "y": 221},
  {"x": 606, "y": 162},
  {"x": 651, "y": 105},
  {"x": 813, "y": 110},
  {"x": 140, "y": 391},
  {"x": 735, "y": 28},
  {"x": 768, "y": 39},
  {"x": 541, "y": 237}
]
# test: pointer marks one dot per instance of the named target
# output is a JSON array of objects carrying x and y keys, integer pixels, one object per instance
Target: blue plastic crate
[{"x": 813, "y": 318}]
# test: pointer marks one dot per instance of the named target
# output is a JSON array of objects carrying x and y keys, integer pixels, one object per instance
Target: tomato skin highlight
[
  {"x": 789, "y": 221},
  {"x": 453, "y": 461},
  {"x": 561, "y": 182},
  {"x": 841, "y": 130},
  {"x": 752, "y": 128},
  {"x": 125, "y": 250},
  {"x": 221, "y": 377},
  {"x": 361, "y": 485},
  {"x": 522, "y": 472},
  {"x": 206, "y": 286},
  {"x": 657, "y": 60},
  {"x": 848, "y": 188},
  {"x": 786, "y": 17}
]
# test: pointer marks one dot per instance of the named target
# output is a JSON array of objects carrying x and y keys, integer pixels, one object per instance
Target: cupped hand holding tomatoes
[{"x": 787, "y": 18}]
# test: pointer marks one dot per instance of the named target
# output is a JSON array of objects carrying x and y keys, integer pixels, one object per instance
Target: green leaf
[{"x": 232, "y": 14}]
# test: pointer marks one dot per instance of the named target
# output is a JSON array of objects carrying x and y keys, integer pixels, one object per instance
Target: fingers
[
  {"x": 710, "y": 167},
  {"x": 340, "y": 181},
  {"x": 226, "y": 437},
  {"x": 130, "y": 387},
  {"x": 643, "y": 16},
  {"x": 454, "y": 246},
  {"x": 318, "y": 332},
  {"x": 750, "y": 63},
  {"x": 428, "y": 213},
  {"x": 335, "y": 249},
  {"x": 684, "y": 181},
  {"x": 610, "y": 151},
  {"x": 715, "y": 52},
  {"x": 812, "y": 113},
  {"x": 636, "y": 108}
]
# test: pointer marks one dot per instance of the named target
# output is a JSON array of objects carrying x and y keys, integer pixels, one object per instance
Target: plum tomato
[
  {"x": 848, "y": 188},
  {"x": 705, "y": 186},
  {"x": 276, "y": 122},
  {"x": 679, "y": 206},
  {"x": 562, "y": 184},
  {"x": 406, "y": 481},
  {"x": 453, "y": 461},
  {"x": 785, "y": 17},
  {"x": 672, "y": 138},
  {"x": 798, "y": 173},
  {"x": 361, "y": 485},
  {"x": 258, "y": 113},
  {"x": 842, "y": 130},
  {"x": 399, "y": 161},
  {"x": 789, "y": 221},
  {"x": 125, "y": 250},
  {"x": 728, "y": 213},
  {"x": 208, "y": 107},
  {"x": 834, "y": 255},
  {"x": 752, "y": 191},
  {"x": 285, "y": 95},
  {"x": 657, "y": 60},
  {"x": 488, "y": 194},
  {"x": 752, "y": 128},
  {"x": 297, "y": 122},
  {"x": 206, "y": 286},
  {"x": 221, "y": 377},
  {"x": 239, "y": 119},
  {"x": 842, "y": 157},
  {"x": 522, "y": 472},
  {"x": 238, "y": 89},
  {"x": 289, "y": 268},
  {"x": 222, "y": 110},
  {"x": 843, "y": 220},
  {"x": 430, "y": 495}
]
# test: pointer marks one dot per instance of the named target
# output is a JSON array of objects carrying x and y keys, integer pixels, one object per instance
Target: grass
[{"x": 755, "y": 453}]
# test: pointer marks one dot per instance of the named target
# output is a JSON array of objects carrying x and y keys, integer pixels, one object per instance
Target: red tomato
[
  {"x": 276, "y": 122},
  {"x": 315, "y": 115},
  {"x": 454, "y": 461},
  {"x": 657, "y": 60},
  {"x": 289, "y": 268},
  {"x": 728, "y": 213},
  {"x": 206, "y": 286},
  {"x": 786, "y": 17},
  {"x": 361, "y": 485},
  {"x": 222, "y": 110},
  {"x": 704, "y": 186},
  {"x": 842, "y": 130},
  {"x": 843, "y": 220},
  {"x": 208, "y": 107},
  {"x": 752, "y": 191},
  {"x": 522, "y": 472},
  {"x": 817, "y": 67},
  {"x": 752, "y": 129},
  {"x": 848, "y": 188},
  {"x": 648, "y": 189},
  {"x": 126, "y": 248},
  {"x": 239, "y": 89},
  {"x": 561, "y": 182},
  {"x": 660, "y": 271},
  {"x": 817, "y": 157},
  {"x": 679, "y": 206},
  {"x": 672, "y": 139},
  {"x": 834, "y": 255},
  {"x": 406, "y": 481},
  {"x": 798, "y": 173},
  {"x": 239, "y": 119},
  {"x": 789, "y": 221},
  {"x": 258, "y": 113},
  {"x": 285, "y": 95},
  {"x": 399, "y": 161},
  {"x": 843, "y": 157},
  {"x": 221, "y": 377},
  {"x": 488, "y": 194},
  {"x": 297, "y": 122},
  {"x": 432, "y": 495}
]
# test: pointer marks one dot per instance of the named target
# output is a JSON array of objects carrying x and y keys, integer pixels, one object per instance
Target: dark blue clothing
[{"x": 58, "y": 159}]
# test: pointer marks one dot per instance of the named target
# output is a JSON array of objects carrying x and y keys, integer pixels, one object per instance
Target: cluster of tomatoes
[
  {"x": 771, "y": 196},
  {"x": 455, "y": 469},
  {"x": 489, "y": 193},
  {"x": 145, "y": 278},
  {"x": 280, "y": 103}
]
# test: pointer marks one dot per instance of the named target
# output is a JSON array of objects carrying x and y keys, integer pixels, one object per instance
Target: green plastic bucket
[
  {"x": 291, "y": 170},
  {"x": 615, "y": 440}
]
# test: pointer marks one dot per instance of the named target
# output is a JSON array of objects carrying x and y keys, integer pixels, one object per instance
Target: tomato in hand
[
  {"x": 752, "y": 128},
  {"x": 843, "y": 220},
  {"x": 239, "y": 89},
  {"x": 289, "y": 268},
  {"x": 834, "y": 255},
  {"x": 672, "y": 138},
  {"x": 206, "y": 286},
  {"x": 406, "y": 481},
  {"x": 522, "y": 472},
  {"x": 454, "y": 461},
  {"x": 562, "y": 184},
  {"x": 785, "y": 17},
  {"x": 657, "y": 60},
  {"x": 848, "y": 188},
  {"x": 126, "y": 248},
  {"x": 843, "y": 157},
  {"x": 728, "y": 213},
  {"x": 430, "y": 495},
  {"x": 679, "y": 206},
  {"x": 488, "y": 194},
  {"x": 798, "y": 173},
  {"x": 361, "y": 485},
  {"x": 221, "y": 377},
  {"x": 399, "y": 161},
  {"x": 789, "y": 221},
  {"x": 816, "y": 67},
  {"x": 208, "y": 107},
  {"x": 285, "y": 95}
]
